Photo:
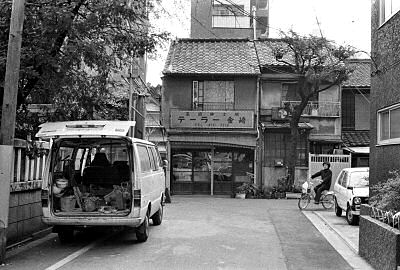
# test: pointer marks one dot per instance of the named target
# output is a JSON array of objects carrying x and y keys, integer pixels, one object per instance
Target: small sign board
[{"x": 212, "y": 119}]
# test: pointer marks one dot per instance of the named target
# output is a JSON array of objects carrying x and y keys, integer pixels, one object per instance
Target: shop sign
[{"x": 212, "y": 119}]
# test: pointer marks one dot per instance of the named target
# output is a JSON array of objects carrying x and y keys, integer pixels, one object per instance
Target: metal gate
[{"x": 338, "y": 162}]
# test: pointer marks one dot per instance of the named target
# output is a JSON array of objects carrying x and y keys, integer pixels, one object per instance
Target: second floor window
[
  {"x": 387, "y": 8},
  {"x": 389, "y": 125},
  {"x": 213, "y": 95}
]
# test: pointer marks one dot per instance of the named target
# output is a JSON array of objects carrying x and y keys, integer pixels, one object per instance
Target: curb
[
  {"x": 345, "y": 239},
  {"x": 34, "y": 236}
]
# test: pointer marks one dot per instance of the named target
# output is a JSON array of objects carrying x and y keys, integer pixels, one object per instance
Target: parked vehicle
[
  {"x": 96, "y": 175},
  {"x": 351, "y": 190}
]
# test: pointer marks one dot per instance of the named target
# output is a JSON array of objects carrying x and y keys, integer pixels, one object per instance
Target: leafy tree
[
  {"x": 73, "y": 52},
  {"x": 318, "y": 64}
]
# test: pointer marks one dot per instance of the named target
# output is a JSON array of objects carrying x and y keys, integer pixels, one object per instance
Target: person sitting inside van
[{"x": 100, "y": 159}]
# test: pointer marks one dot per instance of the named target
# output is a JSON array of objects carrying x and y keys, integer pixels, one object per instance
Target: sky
[{"x": 347, "y": 22}]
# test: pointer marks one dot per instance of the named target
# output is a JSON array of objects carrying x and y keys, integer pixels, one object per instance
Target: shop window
[
  {"x": 222, "y": 166},
  {"x": 181, "y": 163},
  {"x": 277, "y": 147},
  {"x": 389, "y": 125}
]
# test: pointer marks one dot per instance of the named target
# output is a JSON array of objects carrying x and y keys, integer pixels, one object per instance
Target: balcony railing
[
  {"x": 230, "y": 21},
  {"x": 315, "y": 108},
  {"x": 214, "y": 106}
]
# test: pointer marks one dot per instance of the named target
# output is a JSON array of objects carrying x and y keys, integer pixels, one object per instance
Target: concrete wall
[
  {"x": 385, "y": 85},
  {"x": 25, "y": 214}
]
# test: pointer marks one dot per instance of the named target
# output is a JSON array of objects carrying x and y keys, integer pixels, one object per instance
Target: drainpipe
[
  {"x": 257, "y": 154},
  {"x": 212, "y": 171}
]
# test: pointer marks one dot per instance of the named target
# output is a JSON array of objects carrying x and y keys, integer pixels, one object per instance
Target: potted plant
[{"x": 246, "y": 190}]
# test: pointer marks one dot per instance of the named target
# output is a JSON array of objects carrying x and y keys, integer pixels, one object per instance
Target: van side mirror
[{"x": 165, "y": 163}]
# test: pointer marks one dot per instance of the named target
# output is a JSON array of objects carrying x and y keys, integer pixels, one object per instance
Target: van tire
[
  {"x": 158, "y": 216},
  {"x": 66, "y": 235},
  {"x": 142, "y": 232}
]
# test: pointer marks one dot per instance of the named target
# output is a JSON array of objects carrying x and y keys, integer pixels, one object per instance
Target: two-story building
[
  {"x": 320, "y": 125},
  {"x": 209, "y": 102}
]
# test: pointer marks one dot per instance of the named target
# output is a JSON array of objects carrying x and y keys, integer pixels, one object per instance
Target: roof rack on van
[{"x": 85, "y": 128}]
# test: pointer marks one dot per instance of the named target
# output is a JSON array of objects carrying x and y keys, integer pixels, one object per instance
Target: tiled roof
[
  {"x": 361, "y": 76},
  {"x": 355, "y": 138},
  {"x": 212, "y": 56}
]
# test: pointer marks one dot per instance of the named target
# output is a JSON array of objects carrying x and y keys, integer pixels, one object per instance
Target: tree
[
  {"x": 73, "y": 52},
  {"x": 318, "y": 64}
]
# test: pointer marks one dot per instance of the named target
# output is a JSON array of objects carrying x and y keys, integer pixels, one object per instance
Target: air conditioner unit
[{"x": 279, "y": 114}]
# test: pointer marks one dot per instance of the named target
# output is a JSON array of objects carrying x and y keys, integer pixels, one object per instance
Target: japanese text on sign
[{"x": 214, "y": 119}]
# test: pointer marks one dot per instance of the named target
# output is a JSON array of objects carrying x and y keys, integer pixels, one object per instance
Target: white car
[{"x": 351, "y": 190}]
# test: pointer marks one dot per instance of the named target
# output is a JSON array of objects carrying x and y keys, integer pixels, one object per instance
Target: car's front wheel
[
  {"x": 351, "y": 219},
  {"x": 338, "y": 210}
]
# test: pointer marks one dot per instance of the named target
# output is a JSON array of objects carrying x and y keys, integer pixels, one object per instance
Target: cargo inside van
[{"x": 91, "y": 176}]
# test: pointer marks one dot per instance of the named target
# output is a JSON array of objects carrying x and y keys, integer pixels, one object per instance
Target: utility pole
[
  {"x": 254, "y": 9},
  {"x": 8, "y": 117}
]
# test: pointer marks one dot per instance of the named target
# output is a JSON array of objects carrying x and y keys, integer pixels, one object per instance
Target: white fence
[
  {"x": 29, "y": 160},
  {"x": 338, "y": 162}
]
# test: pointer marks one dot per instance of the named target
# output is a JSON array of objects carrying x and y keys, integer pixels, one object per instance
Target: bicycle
[{"x": 327, "y": 197}]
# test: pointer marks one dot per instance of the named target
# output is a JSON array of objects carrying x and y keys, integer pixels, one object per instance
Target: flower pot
[{"x": 240, "y": 196}]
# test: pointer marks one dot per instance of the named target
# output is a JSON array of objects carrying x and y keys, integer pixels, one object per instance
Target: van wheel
[
  {"x": 66, "y": 235},
  {"x": 158, "y": 216},
  {"x": 338, "y": 210},
  {"x": 142, "y": 232}
]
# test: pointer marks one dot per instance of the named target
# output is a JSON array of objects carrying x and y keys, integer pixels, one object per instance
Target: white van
[{"x": 96, "y": 175}]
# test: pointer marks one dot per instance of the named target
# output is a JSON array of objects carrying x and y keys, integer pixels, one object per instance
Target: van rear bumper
[{"x": 87, "y": 221}]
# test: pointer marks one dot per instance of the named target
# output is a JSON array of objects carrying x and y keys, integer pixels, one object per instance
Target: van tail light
[
  {"x": 137, "y": 197},
  {"x": 45, "y": 198}
]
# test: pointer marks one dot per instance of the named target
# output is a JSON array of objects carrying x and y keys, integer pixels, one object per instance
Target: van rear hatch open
[{"x": 91, "y": 168}]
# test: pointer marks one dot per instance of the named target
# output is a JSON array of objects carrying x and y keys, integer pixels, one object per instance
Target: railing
[
  {"x": 29, "y": 160},
  {"x": 230, "y": 21},
  {"x": 214, "y": 106},
  {"x": 387, "y": 217},
  {"x": 315, "y": 108}
]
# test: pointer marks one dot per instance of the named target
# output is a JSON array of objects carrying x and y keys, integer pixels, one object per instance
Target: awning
[
  {"x": 232, "y": 140},
  {"x": 358, "y": 150},
  {"x": 277, "y": 125}
]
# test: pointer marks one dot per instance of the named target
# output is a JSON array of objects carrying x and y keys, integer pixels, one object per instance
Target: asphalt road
[{"x": 197, "y": 233}]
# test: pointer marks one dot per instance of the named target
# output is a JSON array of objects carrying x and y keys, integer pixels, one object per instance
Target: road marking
[
  {"x": 76, "y": 254},
  {"x": 348, "y": 254}
]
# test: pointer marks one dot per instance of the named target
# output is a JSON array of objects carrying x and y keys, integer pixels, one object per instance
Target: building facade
[
  {"x": 229, "y": 18},
  {"x": 356, "y": 112},
  {"x": 385, "y": 94},
  {"x": 209, "y": 102},
  {"x": 319, "y": 126}
]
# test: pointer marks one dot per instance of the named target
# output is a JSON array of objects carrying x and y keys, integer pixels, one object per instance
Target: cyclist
[{"x": 326, "y": 176}]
